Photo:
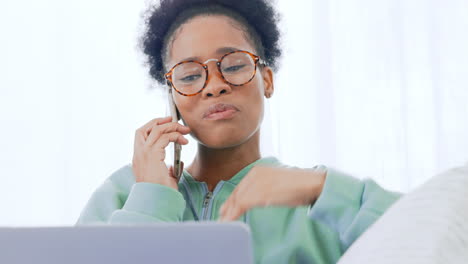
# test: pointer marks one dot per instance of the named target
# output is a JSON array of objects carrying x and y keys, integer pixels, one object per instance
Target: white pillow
[{"x": 428, "y": 225}]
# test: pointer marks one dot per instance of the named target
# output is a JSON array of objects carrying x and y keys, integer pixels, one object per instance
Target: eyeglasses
[{"x": 237, "y": 68}]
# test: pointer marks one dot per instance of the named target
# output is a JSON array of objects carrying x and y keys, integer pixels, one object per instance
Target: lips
[{"x": 220, "y": 111}]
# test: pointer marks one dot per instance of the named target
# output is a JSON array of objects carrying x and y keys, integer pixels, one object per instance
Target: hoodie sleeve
[
  {"x": 350, "y": 206},
  {"x": 119, "y": 200}
]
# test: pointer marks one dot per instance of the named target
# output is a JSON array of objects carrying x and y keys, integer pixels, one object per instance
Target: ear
[{"x": 267, "y": 74}]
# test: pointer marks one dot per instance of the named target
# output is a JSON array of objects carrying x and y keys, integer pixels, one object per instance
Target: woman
[{"x": 218, "y": 58}]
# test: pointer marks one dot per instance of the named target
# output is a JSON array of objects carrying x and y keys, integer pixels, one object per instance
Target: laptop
[{"x": 186, "y": 242}]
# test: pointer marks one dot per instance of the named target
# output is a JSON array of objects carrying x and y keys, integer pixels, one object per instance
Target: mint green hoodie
[{"x": 319, "y": 233}]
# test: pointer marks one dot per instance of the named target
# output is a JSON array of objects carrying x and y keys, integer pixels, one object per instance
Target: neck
[{"x": 213, "y": 165}]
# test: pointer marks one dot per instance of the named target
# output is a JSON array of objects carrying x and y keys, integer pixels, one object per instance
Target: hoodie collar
[{"x": 239, "y": 175}]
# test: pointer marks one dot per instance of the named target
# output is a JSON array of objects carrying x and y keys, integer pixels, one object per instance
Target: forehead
[{"x": 205, "y": 37}]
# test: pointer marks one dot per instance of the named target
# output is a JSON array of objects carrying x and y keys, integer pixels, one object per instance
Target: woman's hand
[
  {"x": 267, "y": 186},
  {"x": 149, "y": 150}
]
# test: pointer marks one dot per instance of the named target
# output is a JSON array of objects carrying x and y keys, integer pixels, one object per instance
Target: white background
[{"x": 375, "y": 88}]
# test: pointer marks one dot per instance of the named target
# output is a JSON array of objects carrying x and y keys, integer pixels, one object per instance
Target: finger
[
  {"x": 171, "y": 171},
  {"x": 158, "y": 121},
  {"x": 223, "y": 209},
  {"x": 156, "y": 126},
  {"x": 223, "y": 215},
  {"x": 233, "y": 198},
  {"x": 165, "y": 139},
  {"x": 141, "y": 133},
  {"x": 234, "y": 212},
  {"x": 158, "y": 130},
  {"x": 228, "y": 203},
  {"x": 146, "y": 128}
]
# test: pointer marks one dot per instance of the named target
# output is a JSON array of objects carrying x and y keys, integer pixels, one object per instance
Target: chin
[{"x": 221, "y": 140}]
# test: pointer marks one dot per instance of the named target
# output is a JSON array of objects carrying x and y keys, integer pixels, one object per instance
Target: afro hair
[{"x": 258, "y": 17}]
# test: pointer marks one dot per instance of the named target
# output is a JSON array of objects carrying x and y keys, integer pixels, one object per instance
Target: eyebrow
[{"x": 220, "y": 51}]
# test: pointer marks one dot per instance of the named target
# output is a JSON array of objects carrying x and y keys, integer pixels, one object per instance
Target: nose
[{"x": 215, "y": 85}]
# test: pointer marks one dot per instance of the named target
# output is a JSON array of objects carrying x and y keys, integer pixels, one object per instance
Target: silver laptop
[{"x": 187, "y": 242}]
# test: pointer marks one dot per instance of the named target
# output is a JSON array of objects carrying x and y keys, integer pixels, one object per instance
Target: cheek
[
  {"x": 184, "y": 105},
  {"x": 257, "y": 90},
  {"x": 254, "y": 103}
]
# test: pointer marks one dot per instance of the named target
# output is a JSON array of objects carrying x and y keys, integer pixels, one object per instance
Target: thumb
[{"x": 171, "y": 171}]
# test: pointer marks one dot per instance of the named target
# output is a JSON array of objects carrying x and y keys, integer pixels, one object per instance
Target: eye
[
  {"x": 190, "y": 78},
  {"x": 234, "y": 68}
]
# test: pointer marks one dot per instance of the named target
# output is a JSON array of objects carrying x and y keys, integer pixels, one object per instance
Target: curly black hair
[{"x": 257, "y": 17}]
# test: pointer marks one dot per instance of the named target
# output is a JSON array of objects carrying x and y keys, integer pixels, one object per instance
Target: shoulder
[
  {"x": 122, "y": 179},
  {"x": 108, "y": 197}
]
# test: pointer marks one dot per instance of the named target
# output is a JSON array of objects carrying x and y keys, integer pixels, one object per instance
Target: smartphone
[{"x": 177, "y": 147}]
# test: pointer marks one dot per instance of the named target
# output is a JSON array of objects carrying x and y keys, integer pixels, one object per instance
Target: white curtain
[{"x": 374, "y": 88}]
